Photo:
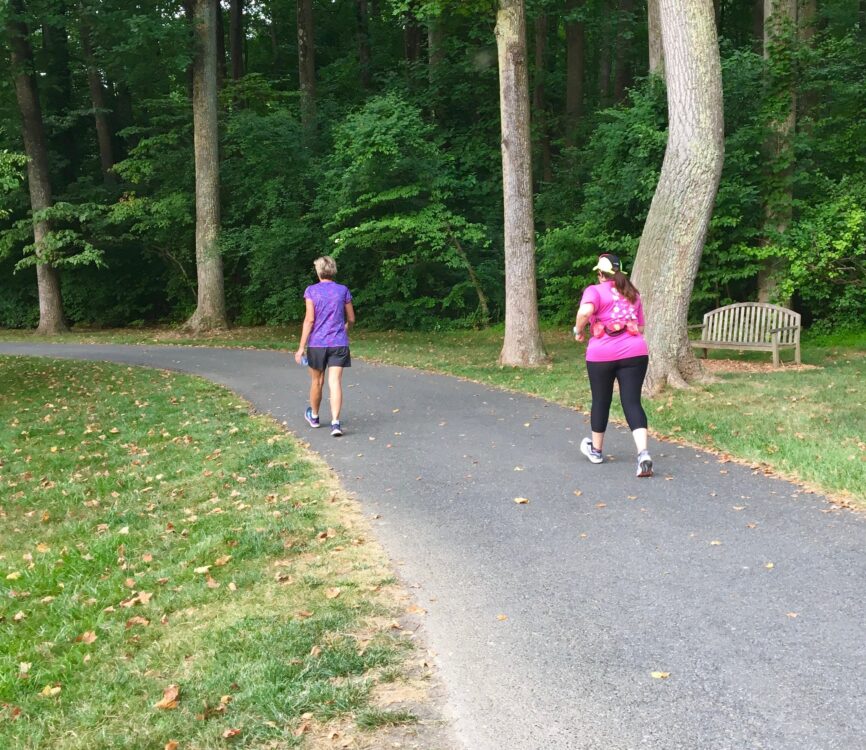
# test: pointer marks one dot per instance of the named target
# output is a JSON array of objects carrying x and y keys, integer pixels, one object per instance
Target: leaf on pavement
[
  {"x": 660, "y": 675},
  {"x": 521, "y": 500}
]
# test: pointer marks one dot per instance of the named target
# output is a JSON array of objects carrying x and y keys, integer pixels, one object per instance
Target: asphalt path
[{"x": 548, "y": 618}]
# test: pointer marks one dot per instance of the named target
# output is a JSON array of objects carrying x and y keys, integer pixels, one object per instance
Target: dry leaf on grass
[{"x": 170, "y": 697}]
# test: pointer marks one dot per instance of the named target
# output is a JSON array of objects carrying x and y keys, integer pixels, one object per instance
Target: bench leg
[
  {"x": 797, "y": 354},
  {"x": 775, "y": 355}
]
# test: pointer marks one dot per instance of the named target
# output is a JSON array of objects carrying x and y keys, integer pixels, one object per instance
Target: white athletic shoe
[
  {"x": 644, "y": 464},
  {"x": 591, "y": 453}
]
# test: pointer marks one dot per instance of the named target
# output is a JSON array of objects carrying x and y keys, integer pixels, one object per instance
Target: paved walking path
[{"x": 748, "y": 592}]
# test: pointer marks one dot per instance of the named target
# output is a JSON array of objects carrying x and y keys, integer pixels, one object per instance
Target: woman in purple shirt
[
  {"x": 325, "y": 337},
  {"x": 617, "y": 351}
]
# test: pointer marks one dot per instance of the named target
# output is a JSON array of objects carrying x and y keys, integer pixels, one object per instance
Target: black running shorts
[{"x": 322, "y": 357}]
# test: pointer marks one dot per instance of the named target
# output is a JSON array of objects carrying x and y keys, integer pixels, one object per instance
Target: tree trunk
[
  {"x": 780, "y": 19},
  {"x": 51, "y": 317},
  {"x": 679, "y": 216},
  {"x": 58, "y": 98},
  {"x": 522, "y": 345},
  {"x": 574, "y": 68},
  {"x": 758, "y": 25},
  {"x": 604, "y": 56},
  {"x": 236, "y": 38},
  {"x": 97, "y": 98},
  {"x": 364, "y": 53},
  {"x": 623, "y": 78},
  {"x": 538, "y": 99},
  {"x": 210, "y": 311},
  {"x": 435, "y": 50},
  {"x": 411, "y": 39},
  {"x": 654, "y": 31},
  {"x": 220, "y": 48},
  {"x": 307, "y": 63},
  {"x": 483, "y": 306}
]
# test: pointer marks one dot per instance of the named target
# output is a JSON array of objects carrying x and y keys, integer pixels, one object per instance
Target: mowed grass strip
[
  {"x": 174, "y": 568},
  {"x": 809, "y": 425}
]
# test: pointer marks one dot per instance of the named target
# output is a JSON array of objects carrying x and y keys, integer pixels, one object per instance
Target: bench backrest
[{"x": 751, "y": 322}]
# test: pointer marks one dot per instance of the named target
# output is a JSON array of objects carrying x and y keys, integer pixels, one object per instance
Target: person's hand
[
  {"x": 298, "y": 356},
  {"x": 578, "y": 335}
]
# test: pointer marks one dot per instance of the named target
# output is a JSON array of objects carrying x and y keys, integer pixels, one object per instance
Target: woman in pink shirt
[{"x": 617, "y": 351}]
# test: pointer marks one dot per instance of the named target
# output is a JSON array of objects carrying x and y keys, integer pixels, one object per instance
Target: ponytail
[{"x": 623, "y": 285}]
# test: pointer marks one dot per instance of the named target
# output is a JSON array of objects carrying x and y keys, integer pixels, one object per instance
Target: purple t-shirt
[
  {"x": 612, "y": 308},
  {"x": 329, "y": 300}
]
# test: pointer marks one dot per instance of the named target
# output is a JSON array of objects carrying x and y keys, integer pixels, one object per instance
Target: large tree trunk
[
  {"x": 97, "y": 98},
  {"x": 676, "y": 226},
  {"x": 574, "y": 68},
  {"x": 539, "y": 104},
  {"x": 364, "y": 54},
  {"x": 522, "y": 345},
  {"x": 210, "y": 311},
  {"x": 236, "y": 38},
  {"x": 654, "y": 32},
  {"x": 780, "y": 19},
  {"x": 623, "y": 78},
  {"x": 51, "y": 318},
  {"x": 307, "y": 63}
]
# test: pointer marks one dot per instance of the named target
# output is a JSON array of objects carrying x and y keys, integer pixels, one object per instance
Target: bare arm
[
  {"x": 350, "y": 315},
  {"x": 584, "y": 313},
  {"x": 306, "y": 329}
]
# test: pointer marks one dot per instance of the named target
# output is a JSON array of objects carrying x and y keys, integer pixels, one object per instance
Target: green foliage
[{"x": 388, "y": 192}]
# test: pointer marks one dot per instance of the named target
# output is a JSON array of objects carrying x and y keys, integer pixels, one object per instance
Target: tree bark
[
  {"x": 780, "y": 19},
  {"x": 97, "y": 98},
  {"x": 220, "y": 48},
  {"x": 539, "y": 103},
  {"x": 623, "y": 77},
  {"x": 435, "y": 49},
  {"x": 411, "y": 39},
  {"x": 307, "y": 63},
  {"x": 758, "y": 25},
  {"x": 51, "y": 317},
  {"x": 676, "y": 227},
  {"x": 522, "y": 344},
  {"x": 210, "y": 313},
  {"x": 654, "y": 31},
  {"x": 236, "y": 38},
  {"x": 574, "y": 70},
  {"x": 58, "y": 98},
  {"x": 604, "y": 58},
  {"x": 364, "y": 54}
]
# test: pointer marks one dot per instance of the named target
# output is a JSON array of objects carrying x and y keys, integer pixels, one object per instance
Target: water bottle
[{"x": 304, "y": 361}]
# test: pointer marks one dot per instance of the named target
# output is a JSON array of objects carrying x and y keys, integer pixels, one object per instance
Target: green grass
[
  {"x": 808, "y": 425},
  {"x": 117, "y": 481}
]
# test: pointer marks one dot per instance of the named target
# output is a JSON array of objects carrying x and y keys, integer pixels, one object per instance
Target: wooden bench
[{"x": 754, "y": 326}]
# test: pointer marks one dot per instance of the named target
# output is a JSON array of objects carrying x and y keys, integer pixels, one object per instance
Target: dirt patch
[{"x": 716, "y": 366}]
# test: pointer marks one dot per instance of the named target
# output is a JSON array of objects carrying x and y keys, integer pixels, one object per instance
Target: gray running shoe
[
  {"x": 644, "y": 464},
  {"x": 591, "y": 453}
]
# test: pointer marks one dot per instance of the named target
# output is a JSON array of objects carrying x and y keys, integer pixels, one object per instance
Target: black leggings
[{"x": 630, "y": 374}]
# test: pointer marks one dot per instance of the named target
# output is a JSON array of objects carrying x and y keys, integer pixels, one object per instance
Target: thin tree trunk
[
  {"x": 364, "y": 53},
  {"x": 780, "y": 19},
  {"x": 435, "y": 50},
  {"x": 539, "y": 103},
  {"x": 236, "y": 38},
  {"x": 758, "y": 25},
  {"x": 51, "y": 317},
  {"x": 307, "y": 63},
  {"x": 58, "y": 100},
  {"x": 411, "y": 39},
  {"x": 676, "y": 226},
  {"x": 654, "y": 31},
  {"x": 604, "y": 56},
  {"x": 210, "y": 311},
  {"x": 97, "y": 98},
  {"x": 623, "y": 78},
  {"x": 522, "y": 344},
  {"x": 483, "y": 305},
  {"x": 574, "y": 72}
]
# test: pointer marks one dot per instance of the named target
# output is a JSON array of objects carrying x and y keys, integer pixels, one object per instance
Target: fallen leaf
[
  {"x": 578, "y": 493},
  {"x": 601, "y": 505},
  {"x": 315, "y": 650},
  {"x": 715, "y": 543},
  {"x": 333, "y": 593},
  {"x": 502, "y": 618},
  {"x": 50, "y": 691},
  {"x": 18, "y": 616},
  {"x": 202, "y": 569},
  {"x": 660, "y": 675},
  {"x": 88, "y": 637},
  {"x": 304, "y": 613},
  {"x": 521, "y": 500},
  {"x": 792, "y": 615},
  {"x": 171, "y": 745},
  {"x": 212, "y": 583},
  {"x": 170, "y": 697},
  {"x": 229, "y": 733},
  {"x": 137, "y": 620},
  {"x": 14, "y": 576},
  {"x": 414, "y": 609},
  {"x": 220, "y": 561},
  {"x": 770, "y": 566}
]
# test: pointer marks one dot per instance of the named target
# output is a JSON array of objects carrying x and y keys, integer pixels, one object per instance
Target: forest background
[{"x": 387, "y": 156}]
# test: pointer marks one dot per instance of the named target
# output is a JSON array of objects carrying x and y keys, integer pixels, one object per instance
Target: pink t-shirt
[{"x": 611, "y": 308}]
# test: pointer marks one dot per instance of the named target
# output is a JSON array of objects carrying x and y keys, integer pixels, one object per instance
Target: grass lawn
[
  {"x": 175, "y": 569},
  {"x": 809, "y": 425}
]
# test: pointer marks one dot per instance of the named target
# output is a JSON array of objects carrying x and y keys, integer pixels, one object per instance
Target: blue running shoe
[
  {"x": 336, "y": 430},
  {"x": 311, "y": 420}
]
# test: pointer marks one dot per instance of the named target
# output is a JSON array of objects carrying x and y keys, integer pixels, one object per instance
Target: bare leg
[
  {"x": 598, "y": 440},
  {"x": 317, "y": 381},
  {"x": 335, "y": 390}
]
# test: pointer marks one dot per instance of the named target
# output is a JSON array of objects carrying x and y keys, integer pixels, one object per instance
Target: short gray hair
[{"x": 326, "y": 267}]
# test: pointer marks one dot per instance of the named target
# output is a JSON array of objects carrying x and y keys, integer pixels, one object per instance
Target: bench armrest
[
  {"x": 784, "y": 328},
  {"x": 696, "y": 325}
]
